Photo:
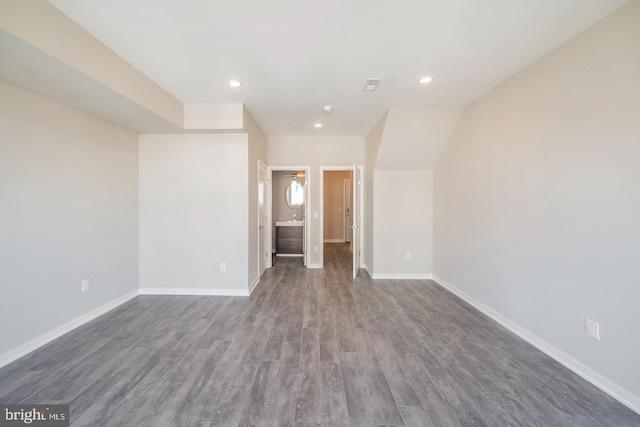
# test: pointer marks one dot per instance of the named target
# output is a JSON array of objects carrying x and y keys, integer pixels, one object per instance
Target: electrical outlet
[
  {"x": 409, "y": 255},
  {"x": 223, "y": 266},
  {"x": 84, "y": 285},
  {"x": 315, "y": 215},
  {"x": 592, "y": 328},
  {"x": 315, "y": 248}
]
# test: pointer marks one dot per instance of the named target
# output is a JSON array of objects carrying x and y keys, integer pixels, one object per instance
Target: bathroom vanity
[{"x": 289, "y": 238}]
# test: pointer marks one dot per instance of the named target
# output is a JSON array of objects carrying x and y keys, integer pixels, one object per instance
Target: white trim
[
  {"x": 402, "y": 276},
  {"x": 253, "y": 285},
  {"x": 344, "y": 208},
  {"x": 366, "y": 267},
  {"x": 614, "y": 390},
  {"x": 195, "y": 291},
  {"x": 263, "y": 249},
  {"x": 322, "y": 170},
  {"x": 47, "y": 337},
  {"x": 290, "y": 255},
  {"x": 334, "y": 241}
]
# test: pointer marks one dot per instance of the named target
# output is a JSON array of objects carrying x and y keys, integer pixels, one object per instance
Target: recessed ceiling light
[
  {"x": 318, "y": 125},
  {"x": 426, "y": 79},
  {"x": 234, "y": 83},
  {"x": 327, "y": 108}
]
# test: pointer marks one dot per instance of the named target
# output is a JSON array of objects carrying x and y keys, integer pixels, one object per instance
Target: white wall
[
  {"x": 403, "y": 222},
  {"x": 537, "y": 201},
  {"x": 316, "y": 152},
  {"x": 413, "y": 138},
  {"x": 43, "y": 26},
  {"x": 69, "y": 212},
  {"x": 371, "y": 150},
  {"x": 194, "y": 213},
  {"x": 256, "y": 150}
]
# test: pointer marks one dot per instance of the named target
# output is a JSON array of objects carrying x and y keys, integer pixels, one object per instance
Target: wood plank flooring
[{"x": 310, "y": 347}]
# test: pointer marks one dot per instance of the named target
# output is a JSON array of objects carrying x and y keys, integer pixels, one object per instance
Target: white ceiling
[{"x": 294, "y": 56}]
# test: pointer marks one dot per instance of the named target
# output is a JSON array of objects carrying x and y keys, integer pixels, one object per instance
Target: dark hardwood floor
[{"x": 310, "y": 347}]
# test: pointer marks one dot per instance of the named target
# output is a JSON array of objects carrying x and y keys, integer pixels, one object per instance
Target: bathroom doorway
[{"x": 288, "y": 207}]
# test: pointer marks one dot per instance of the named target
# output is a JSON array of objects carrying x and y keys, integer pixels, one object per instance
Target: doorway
[
  {"x": 287, "y": 225},
  {"x": 340, "y": 210}
]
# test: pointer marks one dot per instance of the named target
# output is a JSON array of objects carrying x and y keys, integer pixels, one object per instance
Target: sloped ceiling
[
  {"x": 413, "y": 138},
  {"x": 294, "y": 56},
  {"x": 148, "y": 58}
]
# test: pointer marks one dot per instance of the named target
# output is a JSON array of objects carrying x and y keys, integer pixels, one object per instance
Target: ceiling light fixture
[
  {"x": 234, "y": 83},
  {"x": 318, "y": 125},
  {"x": 426, "y": 79},
  {"x": 327, "y": 108},
  {"x": 372, "y": 84}
]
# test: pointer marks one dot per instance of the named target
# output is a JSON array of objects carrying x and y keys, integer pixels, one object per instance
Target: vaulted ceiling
[{"x": 294, "y": 56}]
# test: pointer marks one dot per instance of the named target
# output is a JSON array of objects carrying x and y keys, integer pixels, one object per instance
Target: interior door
[
  {"x": 262, "y": 217},
  {"x": 356, "y": 218},
  {"x": 348, "y": 219},
  {"x": 305, "y": 229}
]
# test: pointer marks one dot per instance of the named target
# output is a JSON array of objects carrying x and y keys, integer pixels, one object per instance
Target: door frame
[
  {"x": 347, "y": 235},
  {"x": 360, "y": 194},
  {"x": 262, "y": 232},
  {"x": 307, "y": 210}
]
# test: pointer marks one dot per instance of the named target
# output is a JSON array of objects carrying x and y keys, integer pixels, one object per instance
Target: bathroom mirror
[{"x": 294, "y": 195}]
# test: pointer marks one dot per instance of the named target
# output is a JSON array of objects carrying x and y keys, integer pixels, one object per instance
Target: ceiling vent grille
[{"x": 372, "y": 84}]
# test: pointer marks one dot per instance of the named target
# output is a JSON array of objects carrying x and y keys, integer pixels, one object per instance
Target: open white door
[
  {"x": 262, "y": 218},
  {"x": 306, "y": 218},
  {"x": 356, "y": 216}
]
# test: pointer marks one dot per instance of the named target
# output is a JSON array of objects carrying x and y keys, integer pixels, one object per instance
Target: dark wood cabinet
[{"x": 289, "y": 240}]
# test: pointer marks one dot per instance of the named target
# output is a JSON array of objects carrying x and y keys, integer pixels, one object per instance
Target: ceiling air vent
[{"x": 372, "y": 84}]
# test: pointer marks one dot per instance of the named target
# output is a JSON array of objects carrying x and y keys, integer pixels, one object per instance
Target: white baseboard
[
  {"x": 366, "y": 267},
  {"x": 253, "y": 285},
  {"x": 46, "y": 338},
  {"x": 195, "y": 291},
  {"x": 614, "y": 390},
  {"x": 334, "y": 241},
  {"x": 402, "y": 276},
  {"x": 291, "y": 255}
]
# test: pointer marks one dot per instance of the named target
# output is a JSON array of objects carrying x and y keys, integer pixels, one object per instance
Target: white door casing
[
  {"x": 356, "y": 215},
  {"x": 347, "y": 210},
  {"x": 263, "y": 252}
]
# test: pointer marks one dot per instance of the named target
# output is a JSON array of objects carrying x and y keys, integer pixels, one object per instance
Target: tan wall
[{"x": 333, "y": 204}]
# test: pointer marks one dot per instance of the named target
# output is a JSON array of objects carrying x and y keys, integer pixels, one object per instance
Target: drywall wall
[
  {"x": 413, "y": 138},
  {"x": 41, "y": 25},
  {"x": 372, "y": 147},
  {"x": 194, "y": 213},
  {"x": 316, "y": 152},
  {"x": 256, "y": 151},
  {"x": 334, "y": 216},
  {"x": 403, "y": 224},
  {"x": 216, "y": 116},
  {"x": 69, "y": 195},
  {"x": 537, "y": 203}
]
